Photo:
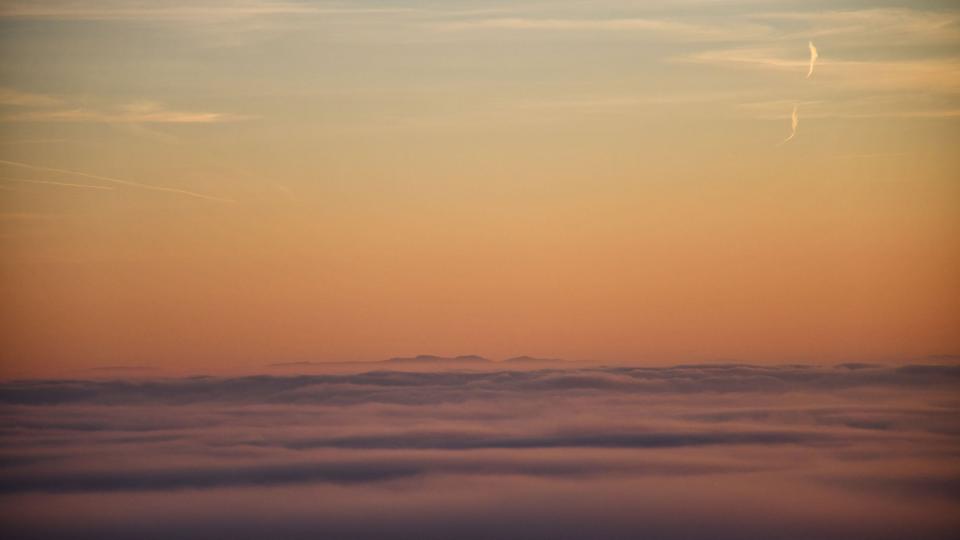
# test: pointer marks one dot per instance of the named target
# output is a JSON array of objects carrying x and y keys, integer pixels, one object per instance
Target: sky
[
  {"x": 260, "y": 262},
  {"x": 214, "y": 186}
]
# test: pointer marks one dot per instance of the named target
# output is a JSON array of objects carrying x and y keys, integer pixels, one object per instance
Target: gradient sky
[{"x": 213, "y": 185}]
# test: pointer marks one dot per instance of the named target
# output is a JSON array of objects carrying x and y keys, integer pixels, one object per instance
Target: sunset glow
[{"x": 257, "y": 191}]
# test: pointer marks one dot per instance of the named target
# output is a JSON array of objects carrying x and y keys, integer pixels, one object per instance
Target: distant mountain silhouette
[
  {"x": 431, "y": 359},
  {"x": 430, "y": 362},
  {"x": 532, "y": 360}
]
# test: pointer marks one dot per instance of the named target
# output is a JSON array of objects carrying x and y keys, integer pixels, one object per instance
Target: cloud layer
[{"x": 603, "y": 452}]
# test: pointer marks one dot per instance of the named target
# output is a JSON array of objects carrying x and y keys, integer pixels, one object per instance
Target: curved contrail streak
[
  {"x": 813, "y": 57},
  {"x": 794, "y": 122},
  {"x": 117, "y": 181}
]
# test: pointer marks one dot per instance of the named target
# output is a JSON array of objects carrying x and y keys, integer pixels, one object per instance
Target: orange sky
[{"x": 443, "y": 182}]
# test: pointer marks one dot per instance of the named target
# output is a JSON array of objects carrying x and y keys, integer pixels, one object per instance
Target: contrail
[
  {"x": 118, "y": 181},
  {"x": 794, "y": 121},
  {"x": 813, "y": 57},
  {"x": 52, "y": 183}
]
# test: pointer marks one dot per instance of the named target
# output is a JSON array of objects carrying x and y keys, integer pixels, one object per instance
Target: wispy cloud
[
  {"x": 168, "y": 10},
  {"x": 883, "y": 24},
  {"x": 118, "y": 181},
  {"x": 813, "y": 58},
  {"x": 55, "y": 183},
  {"x": 688, "y": 30},
  {"x": 30, "y": 107},
  {"x": 10, "y": 97},
  {"x": 938, "y": 74},
  {"x": 765, "y": 58},
  {"x": 858, "y": 107},
  {"x": 619, "y": 103}
]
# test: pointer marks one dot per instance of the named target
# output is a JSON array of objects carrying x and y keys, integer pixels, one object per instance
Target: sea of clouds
[{"x": 700, "y": 451}]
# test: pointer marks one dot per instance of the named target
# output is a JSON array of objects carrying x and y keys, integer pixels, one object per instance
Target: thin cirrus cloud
[
  {"x": 118, "y": 181},
  {"x": 941, "y": 75},
  {"x": 33, "y": 107},
  {"x": 174, "y": 10},
  {"x": 752, "y": 27},
  {"x": 857, "y": 107},
  {"x": 203, "y": 12},
  {"x": 10, "y": 97},
  {"x": 879, "y": 24},
  {"x": 127, "y": 115},
  {"x": 764, "y": 41},
  {"x": 57, "y": 184},
  {"x": 692, "y": 31}
]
